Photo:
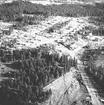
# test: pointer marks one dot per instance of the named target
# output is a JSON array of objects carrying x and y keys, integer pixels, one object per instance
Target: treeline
[
  {"x": 14, "y": 10},
  {"x": 35, "y": 69},
  {"x": 97, "y": 72},
  {"x": 28, "y": 20}
]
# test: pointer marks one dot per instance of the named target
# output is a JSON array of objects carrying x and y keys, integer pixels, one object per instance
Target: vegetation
[
  {"x": 98, "y": 32},
  {"x": 98, "y": 21},
  {"x": 95, "y": 65},
  {"x": 14, "y": 10},
  {"x": 28, "y": 20},
  {"x": 56, "y": 26},
  {"x": 35, "y": 69}
]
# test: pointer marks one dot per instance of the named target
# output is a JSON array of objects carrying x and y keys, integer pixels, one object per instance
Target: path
[{"x": 89, "y": 85}]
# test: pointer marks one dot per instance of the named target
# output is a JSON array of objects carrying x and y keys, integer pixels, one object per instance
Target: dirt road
[{"x": 89, "y": 85}]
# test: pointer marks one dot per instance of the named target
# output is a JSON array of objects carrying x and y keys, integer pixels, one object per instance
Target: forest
[
  {"x": 33, "y": 70},
  {"x": 13, "y": 11}
]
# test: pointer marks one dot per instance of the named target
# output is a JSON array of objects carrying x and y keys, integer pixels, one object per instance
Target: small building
[{"x": 7, "y": 31}]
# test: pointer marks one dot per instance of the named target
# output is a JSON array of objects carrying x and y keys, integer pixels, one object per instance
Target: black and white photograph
[{"x": 51, "y": 52}]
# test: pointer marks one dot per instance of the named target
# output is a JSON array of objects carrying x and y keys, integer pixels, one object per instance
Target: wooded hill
[
  {"x": 35, "y": 69},
  {"x": 14, "y": 10}
]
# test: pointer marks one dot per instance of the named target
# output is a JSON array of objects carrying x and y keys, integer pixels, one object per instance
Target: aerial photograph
[{"x": 51, "y": 52}]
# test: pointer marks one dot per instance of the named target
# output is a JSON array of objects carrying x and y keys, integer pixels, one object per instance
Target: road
[
  {"x": 93, "y": 92},
  {"x": 89, "y": 85}
]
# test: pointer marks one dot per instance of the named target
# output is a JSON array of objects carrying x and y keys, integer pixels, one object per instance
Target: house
[{"x": 7, "y": 31}]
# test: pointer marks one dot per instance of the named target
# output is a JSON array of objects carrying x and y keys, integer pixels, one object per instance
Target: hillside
[
  {"x": 15, "y": 10},
  {"x": 51, "y": 54},
  {"x": 56, "y": 37}
]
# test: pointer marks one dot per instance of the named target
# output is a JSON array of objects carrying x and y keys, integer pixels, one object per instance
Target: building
[{"x": 7, "y": 31}]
